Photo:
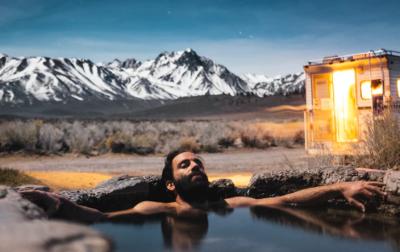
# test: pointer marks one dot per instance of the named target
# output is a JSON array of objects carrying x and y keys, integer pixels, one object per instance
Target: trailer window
[{"x": 368, "y": 88}]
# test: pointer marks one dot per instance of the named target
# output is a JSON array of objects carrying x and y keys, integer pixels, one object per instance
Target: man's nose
[{"x": 195, "y": 166}]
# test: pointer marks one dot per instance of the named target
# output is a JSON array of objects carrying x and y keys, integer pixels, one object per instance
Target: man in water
[{"x": 185, "y": 178}]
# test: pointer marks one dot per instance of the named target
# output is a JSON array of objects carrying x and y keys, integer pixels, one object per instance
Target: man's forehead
[{"x": 183, "y": 156}]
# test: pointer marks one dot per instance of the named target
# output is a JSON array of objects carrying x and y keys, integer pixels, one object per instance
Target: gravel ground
[{"x": 237, "y": 161}]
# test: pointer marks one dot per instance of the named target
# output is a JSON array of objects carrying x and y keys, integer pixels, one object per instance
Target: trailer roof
[{"x": 352, "y": 57}]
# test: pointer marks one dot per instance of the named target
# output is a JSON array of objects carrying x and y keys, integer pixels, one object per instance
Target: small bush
[
  {"x": 298, "y": 138},
  {"x": 382, "y": 143},
  {"x": 11, "y": 177},
  {"x": 210, "y": 148},
  {"x": 256, "y": 138},
  {"x": 189, "y": 143},
  {"x": 226, "y": 142},
  {"x": 96, "y": 137}
]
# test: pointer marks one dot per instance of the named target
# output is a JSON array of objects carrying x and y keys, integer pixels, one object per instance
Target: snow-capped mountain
[
  {"x": 262, "y": 85},
  {"x": 28, "y": 80}
]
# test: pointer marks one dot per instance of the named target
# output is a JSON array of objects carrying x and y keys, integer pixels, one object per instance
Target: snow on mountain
[
  {"x": 253, "y": 79},
  {"x": 191, "y": 75},
  {"x": 169, "y": 76},
  {"x": 280, "y": 85}
]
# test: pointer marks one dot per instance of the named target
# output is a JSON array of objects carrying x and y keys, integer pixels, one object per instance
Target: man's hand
[
  {"x": 50, "y": 202},
  {"x": 368, "y": 189}
]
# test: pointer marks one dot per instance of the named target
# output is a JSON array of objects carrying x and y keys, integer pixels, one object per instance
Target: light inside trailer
[
  {"x": 345, "y": 105},
  {"x": 366, "y": 93}
]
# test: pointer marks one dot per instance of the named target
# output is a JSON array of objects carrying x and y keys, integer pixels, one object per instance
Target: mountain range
[{"x": 171, "y": 75}]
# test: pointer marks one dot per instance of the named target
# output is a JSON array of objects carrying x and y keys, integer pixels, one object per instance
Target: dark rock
[
  {"x": 221, "y": 189},
  {"x": 392, "y": 182},
  {"x": 269, "y": 184},
  {"x": 266, "y": 184},
  {"x": 121, "y": 192}
]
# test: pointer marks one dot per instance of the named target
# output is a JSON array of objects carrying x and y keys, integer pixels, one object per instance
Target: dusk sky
[{"x": 265, "y": 37}]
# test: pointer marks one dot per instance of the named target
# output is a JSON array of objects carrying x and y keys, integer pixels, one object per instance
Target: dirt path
[{"x": 247, "y": 161}]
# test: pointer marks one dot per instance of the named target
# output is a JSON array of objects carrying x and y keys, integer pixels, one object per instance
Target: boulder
[
  {"x": 269, "y": 184},
  {"x": 24, "y": 227},
  {"x": 118, "y": 193},
  {"x": 221, "y": 189},
  {"x": 273, "y": 183},
  {"x": 392, "y": 182}
]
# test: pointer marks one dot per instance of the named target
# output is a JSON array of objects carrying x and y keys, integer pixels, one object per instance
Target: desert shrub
[
  {"x": 11, "y": 177},
  {"x": 210, "y": 148},
  {"x": 381, "y": 146},
  {"x": 284, "y": 141},
  {"x": 298, "y": 137},
  {"x": 226, "y": 142},
  {"x": 257, "y": 138},
  {"x": 18, "y": 135},
  {"x": 51, "y": 139},
  {"x": 189, "y": 143},
  {"x": 78, "y": 139},
  {"x": 96, "y": 137}
]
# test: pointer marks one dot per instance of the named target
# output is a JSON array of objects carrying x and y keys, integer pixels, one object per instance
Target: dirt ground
[{"x": 71, "y": 171}]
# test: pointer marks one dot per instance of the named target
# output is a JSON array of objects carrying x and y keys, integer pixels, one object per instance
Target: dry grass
[
  {"x": 69, "y": 180},
  {"x": 98, "y": 137},
  {"x": 11, "y": 177},
  {"x": 381, "y": 145}
]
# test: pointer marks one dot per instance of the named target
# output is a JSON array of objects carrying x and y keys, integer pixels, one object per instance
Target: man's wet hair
[{"x": 167, "y": 174}]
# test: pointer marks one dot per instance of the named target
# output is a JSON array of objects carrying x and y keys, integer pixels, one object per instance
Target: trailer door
[{"x": 345, "y": 109}]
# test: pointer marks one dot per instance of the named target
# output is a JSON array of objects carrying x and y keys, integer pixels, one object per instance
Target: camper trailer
[{"x": 343, "y": 94}]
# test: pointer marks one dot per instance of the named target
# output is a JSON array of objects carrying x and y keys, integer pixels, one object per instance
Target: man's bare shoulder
[
  {"x": 145, "y": 208},
  {"x": 153, "y": 207}
]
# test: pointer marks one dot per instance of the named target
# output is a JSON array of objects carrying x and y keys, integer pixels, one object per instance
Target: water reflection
[
  {"x": 184, "y": 233},
  {"x": 205, "y": 231},
  {"x": 346, "y": 224}
]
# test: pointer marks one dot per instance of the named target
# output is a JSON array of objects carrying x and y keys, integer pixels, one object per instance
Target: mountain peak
[
  {"x": 171, "y": 75},
  {"x": 114, "y": 63}
]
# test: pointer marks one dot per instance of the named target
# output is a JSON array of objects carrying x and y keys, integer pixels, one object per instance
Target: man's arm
[
  {"x": 348, "y": 190},
  {"x": 143, "y": 208},
  {"x": 59, "y": 207}
]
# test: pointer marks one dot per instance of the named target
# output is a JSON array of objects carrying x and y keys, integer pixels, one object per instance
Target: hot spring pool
[{"x": 257, "y": 229}]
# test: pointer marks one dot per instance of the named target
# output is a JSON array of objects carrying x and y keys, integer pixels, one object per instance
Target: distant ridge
[{"x": 171, "y": 75}]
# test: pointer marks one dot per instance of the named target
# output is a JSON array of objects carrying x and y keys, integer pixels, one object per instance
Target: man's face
[{"x": 189, "y": 175}]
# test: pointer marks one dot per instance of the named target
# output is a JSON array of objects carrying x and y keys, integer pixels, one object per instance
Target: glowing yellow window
[
  {"x": 369, "y": 89},
  {"x": 366, "y": 90}
]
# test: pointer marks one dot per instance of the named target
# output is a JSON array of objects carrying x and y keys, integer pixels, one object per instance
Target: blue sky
[{"x": 268, "y": 37}]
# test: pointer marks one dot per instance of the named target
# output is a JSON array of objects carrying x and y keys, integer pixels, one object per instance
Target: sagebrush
[{"x": 97, "y": 137}]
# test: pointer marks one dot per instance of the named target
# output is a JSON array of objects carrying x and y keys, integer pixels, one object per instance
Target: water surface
[{"x": 257, "y": 229}]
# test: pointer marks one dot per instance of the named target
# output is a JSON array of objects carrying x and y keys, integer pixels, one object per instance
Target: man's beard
[{"x": 193, "y": 190}]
